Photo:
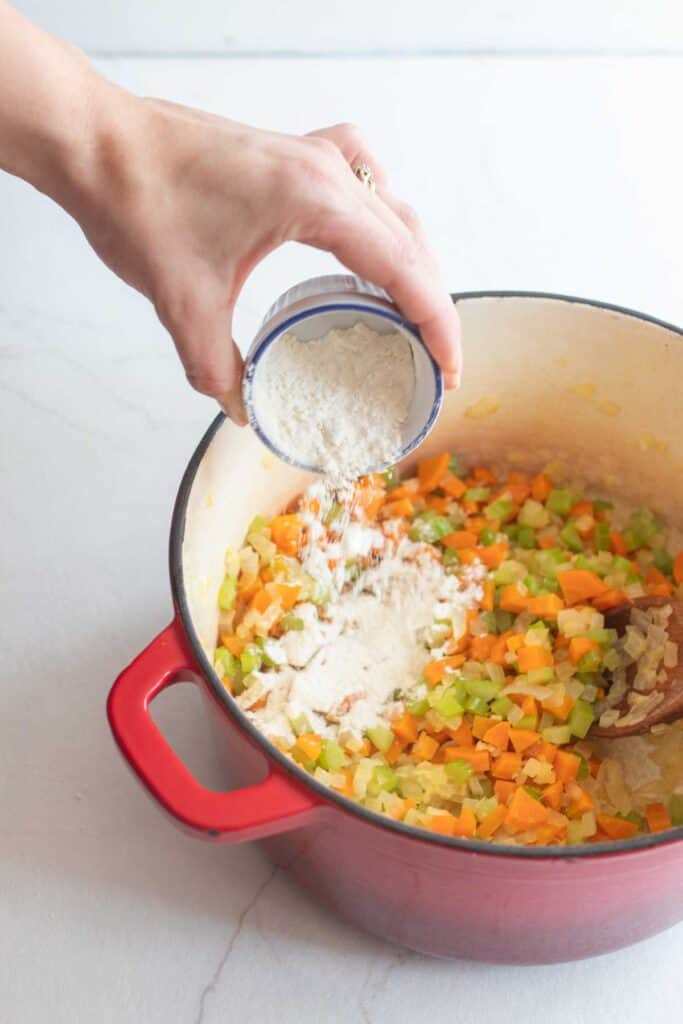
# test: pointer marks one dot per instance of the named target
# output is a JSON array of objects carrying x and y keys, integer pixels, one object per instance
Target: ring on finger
[{"x": 364, "y": 174}]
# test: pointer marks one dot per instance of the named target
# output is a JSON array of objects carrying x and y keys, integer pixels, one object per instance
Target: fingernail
[
  {"x": 233, "y": 406},
  {"x": 451, "y": 380}
]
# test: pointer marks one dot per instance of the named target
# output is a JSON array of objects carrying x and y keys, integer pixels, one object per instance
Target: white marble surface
[{"x": 549, "y": 174}]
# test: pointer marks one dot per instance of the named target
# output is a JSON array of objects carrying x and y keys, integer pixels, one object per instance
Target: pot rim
[{"x": 299, "y": 775}]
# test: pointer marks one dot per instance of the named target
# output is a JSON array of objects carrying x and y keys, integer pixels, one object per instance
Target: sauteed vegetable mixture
[{"x": 435, "y": 649}]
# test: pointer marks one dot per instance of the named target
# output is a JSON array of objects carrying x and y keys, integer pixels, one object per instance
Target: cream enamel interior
[{"x": 545, "y": 380}]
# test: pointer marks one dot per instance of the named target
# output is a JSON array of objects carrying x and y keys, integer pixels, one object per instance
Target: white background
[{"x": 542, "y": 169}]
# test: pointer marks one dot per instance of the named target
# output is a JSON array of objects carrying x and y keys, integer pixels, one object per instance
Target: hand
[{"x": 182, "y": 205}]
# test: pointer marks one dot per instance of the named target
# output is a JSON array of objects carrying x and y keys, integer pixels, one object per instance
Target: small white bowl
[{"x": 309, "y": 310}]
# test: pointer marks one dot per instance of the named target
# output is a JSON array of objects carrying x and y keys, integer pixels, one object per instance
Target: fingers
[
  {"x": 203, "y": 338},
  {"x": 350, "y": 142},
  {"x": 382, "y": 242}
]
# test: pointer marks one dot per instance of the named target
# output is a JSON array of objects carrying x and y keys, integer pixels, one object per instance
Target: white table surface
[{"x": 559, "y": 175}]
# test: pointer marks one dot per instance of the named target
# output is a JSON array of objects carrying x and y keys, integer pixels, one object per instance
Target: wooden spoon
[{"x": 668, "y": 695}]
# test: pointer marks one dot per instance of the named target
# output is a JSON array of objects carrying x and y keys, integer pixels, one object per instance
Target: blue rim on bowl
[{"x": 256, "y": 355}]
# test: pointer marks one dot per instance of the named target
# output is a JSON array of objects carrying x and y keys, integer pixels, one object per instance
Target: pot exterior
[{"x": 456, "y": 904}]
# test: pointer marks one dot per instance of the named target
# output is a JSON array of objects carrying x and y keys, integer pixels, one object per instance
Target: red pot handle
[{"x": 275, "y": 805}]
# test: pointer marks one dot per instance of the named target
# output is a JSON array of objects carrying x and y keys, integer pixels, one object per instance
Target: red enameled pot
[{"x": 547, "y": 378}]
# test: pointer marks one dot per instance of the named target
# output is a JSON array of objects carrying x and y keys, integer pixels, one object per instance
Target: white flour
[
  {"x": 337, "y": 403},
  {"x": 342, "y": 673}
]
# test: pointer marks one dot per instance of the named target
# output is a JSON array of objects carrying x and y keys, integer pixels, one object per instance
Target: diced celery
[
  {"x": 259, "y": 524},
  {"x": 584, "y": 768},
  {"x": 511, "y": 530},
  {"x": 484, "y": 688},
  {"x": 570, "y": 535},
  {"x": 501, "y": 706},
  {"x": 632, "y": 539},
  {"x": 227, "y": 592},
  {"x": 381, "y": 737},
  {"x": 548, "y": 559},
  {"x": 602, "y": 533},
  {"x": 449, "y": 706},
  {"x": 532, "y": 791},
  {"x": 450, "y": 556},
  {"x": 509, "y": 572},
  {"x": 300, "y": 725},
  {"x": 477, "y": 494},
  {"x": 575, "y": 832},
  {"x": 391, "y": 477},
  {"x": 499, "y": 511},
  {"x": 600, "y": 505},
  {"x": 603, "y": 636},
  {"x": 332, "y": 757},
  {"x": 540, "y": 675},
  {"x": 633, "y": 817},
  {"x": 477, "y": 705},
  {"x": 534, "y": 585},
  {"x": 430, "y": 529},
  {"x": 504, "y": 621},
  {"x": 226, "y": 663},
  {"x": 560, "y": 502},
  {"x": 581, "y": 717},
  {"x": 591, "y": 662},
  {"x": 526, "y": 538},
  {"x": 549, "y": 585},
  {"x": 335, "y": 513},
  {"x": 592, "y": 564},
  {"x": 300, "y": 758},
  {"x": 676, "y": 809},
  {"x": 487, "y": 536},
  {"x": 527, "y": 722},
  {"x": 459, "y": 771},
  {"x": 557, "y": 734},
  {"x": 419, "y": 707},
  {"x": 533, "y": 514},
  {"x": 644, "y": 525},
  {"x": 383, "y": 780},
  {"x": 454, "y": 465},
  {"x": 291, "y": 621},
  {"x": 251, "y": 659},
  {"x": 353, "y": 571},
  {"x": 663, "y": 561}
]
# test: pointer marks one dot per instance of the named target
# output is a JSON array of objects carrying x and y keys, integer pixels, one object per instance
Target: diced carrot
[
  {"x": 541, "y": 486},
  {"x": 438, "y": 504},
  {"x": 503, "y": 789},
  {"x": 547, "y": 539},
  {"x": 392, "y": 755},
  {"x": 261, "y": 600},
  {"x": 443, "y": 823},
  {"x": 545, "y": 606},
  {"x": 481, "y": 646},
  {"x": 285, "y": 532},
  {"x": 488, "y": 599},
  {"x": 616, "y": 828},
  {"x": 678, "y": 567},
  {"x": 534, "y": 657},
  {"x": 430, "y": 472},
  {"x": 566, "y": 766},
  {"x": 659, "y": 589},
  {"x": 657, "y": 817},
  {"x": 396, "y": 509},
  {"x": 310, "y": 745},
  {"x": 658, "y": 579},
  {"x": 466, "y": 824},
  {"x": 287, "y": 593},
  {"x": 510, "y": 599},
  {"x": 594, "y": 764},
  {"x": 492, "y": 822},
  {"x": 530, "y": 707},
  {"x": 346, "y": 788},
  {"x": 522, "y": 739},
  {"x": 257, "y": 705},
  {"x": 498, "y": 652},
  {"x": 435, "y": 671},
  {"x": 560, "y": 709},
  {"x": 233, "y": 644},
  {"x": 514, "y": 642},
  {"x": 610, "y": 599},
  {"x": 507, "y": 766},
  {"x": 545, "y": 751},
  {"x": 468, "y": 556},
  {"x": 406, "y": 489},
  {"x": 479, "y": 759},
  {"x": 617, "y": 544},
  {"x": 405, "y": 727},
  {"x": 462, "y": 736},
  {"x": 484, "y": 475},
  {"x": 480, "y": 725},
  {"x": 524, "y": 812},
  {"x": 493, "y": 554},
  {"x": 581, "y": 645},
  {"x": 460, "y": 539},
  {"x": 424, "y": 747},
  {"x": 454, "y": 487},
  {"x": 518, "y": 486},
  {"x": 580, "y": 585},
  {"x": 497, "y": 735},
  {"x": 266, "y": 575},
  {"x": 552, "y": 795},
  {"x": 581, "y": 508}
]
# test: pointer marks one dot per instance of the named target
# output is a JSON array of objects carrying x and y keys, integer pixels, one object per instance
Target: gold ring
[{"x": 365, "y": 176}]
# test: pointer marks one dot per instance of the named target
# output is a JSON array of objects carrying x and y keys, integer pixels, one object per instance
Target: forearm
[{"x": 54, "y": 109}]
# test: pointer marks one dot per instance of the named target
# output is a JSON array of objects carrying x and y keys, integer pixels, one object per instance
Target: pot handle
[{"x": 277, "y": 804}]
